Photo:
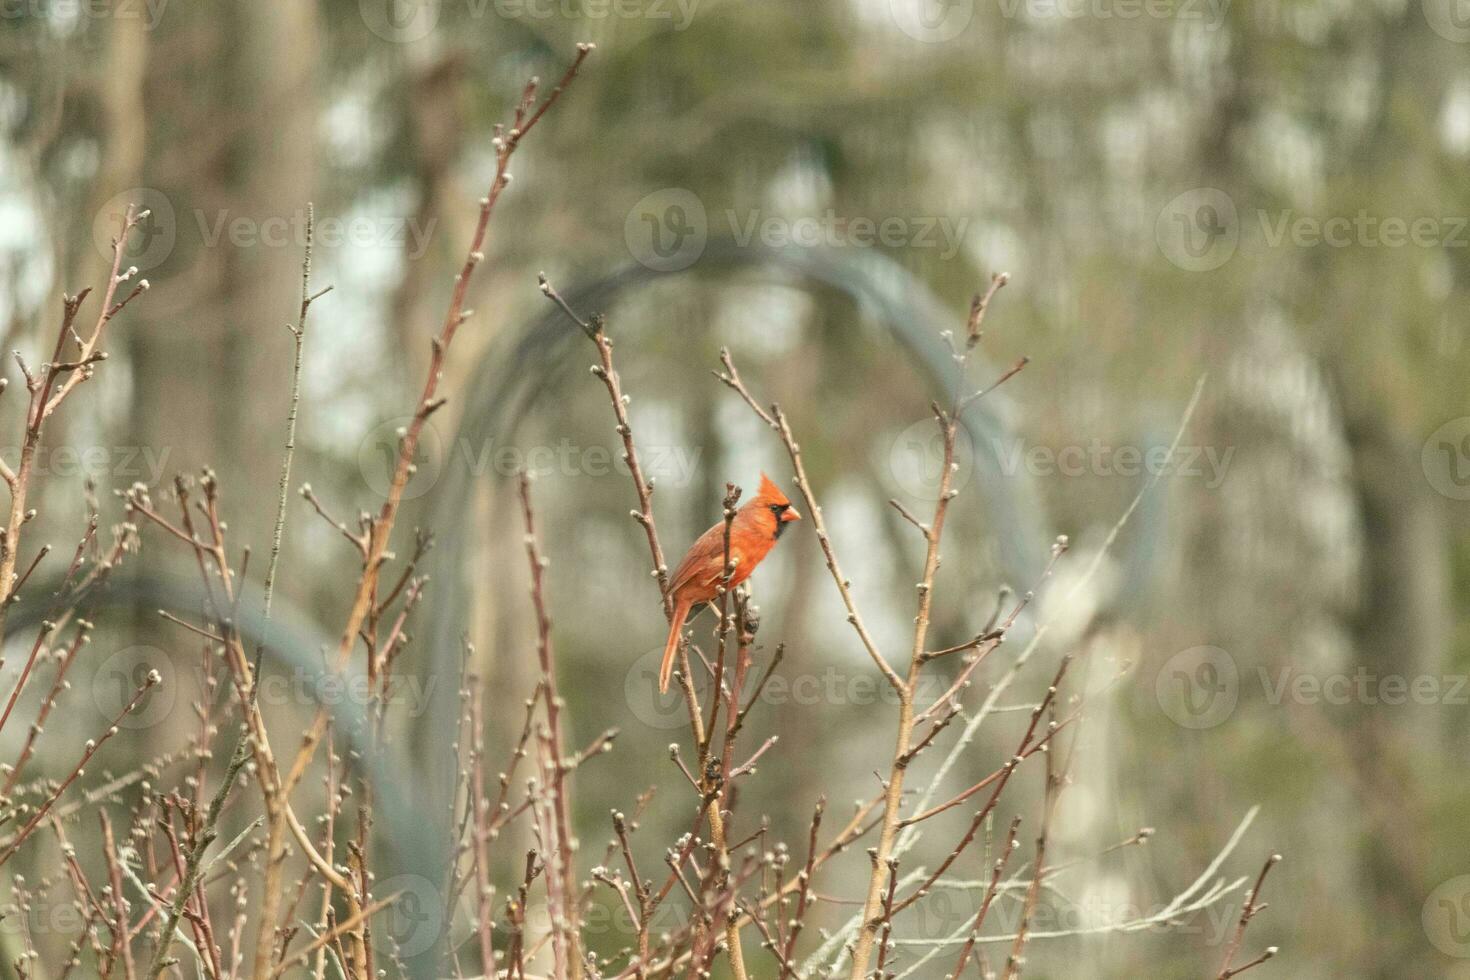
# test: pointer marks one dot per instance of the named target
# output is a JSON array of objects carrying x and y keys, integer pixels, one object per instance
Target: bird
[{"x": 754, "y": 531}]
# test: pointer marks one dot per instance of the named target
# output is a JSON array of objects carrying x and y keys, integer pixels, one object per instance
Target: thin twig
[{"x": 1248, "y": 911}]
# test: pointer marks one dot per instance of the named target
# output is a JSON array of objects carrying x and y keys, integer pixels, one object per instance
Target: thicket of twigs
[{"x": 157, "y": 888}]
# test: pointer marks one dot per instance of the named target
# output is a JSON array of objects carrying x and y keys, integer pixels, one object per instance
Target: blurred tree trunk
[
  {"x": 121, "y": 136},
  {"x": 238, "y": 197},
  {"x": 1401, "y": 630},
  {"x": 436, "y": 124}
]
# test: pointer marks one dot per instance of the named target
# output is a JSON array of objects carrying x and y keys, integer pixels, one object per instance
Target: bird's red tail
[{"x": 676, "y": 625}]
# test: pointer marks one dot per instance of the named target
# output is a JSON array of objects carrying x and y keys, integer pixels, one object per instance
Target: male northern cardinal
[{"x": 757, "y": 525}]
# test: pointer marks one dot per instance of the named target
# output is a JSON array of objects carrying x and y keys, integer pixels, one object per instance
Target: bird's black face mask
[{"x": 777, "y": 510}]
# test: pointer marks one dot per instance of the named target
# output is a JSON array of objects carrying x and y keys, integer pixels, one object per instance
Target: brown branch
[
  {"x": 58, "y": 684},
  {"x": 526, "y": 115},
  {"x": 121, "y": 939},
  {"x": 990, "y": 892},
  {"x": 46, "y": 396},
  {"x": 343, "y": 927},
  {"x": 993, "y": 635},
  {"x": 933, "y": 532},
  {"x": 595, "y": 329},
  {"x": 152, "y": 681},
  {"x": 777, "y": 421},
  {"x": 974, "y": 326},
  {"x": 25, "y": 673},
  {"x": 713, "y": 779},
  {"x": 561, "y": 877},
  {"x": 298, "y": 337},
  {"x": 1055, "y": 779},
  {"x": 194, "y": 866},
  {"x": 984, "y": 813},
  {"x": 1248, "y": 911},
  {"x": 803, "y": 891}
]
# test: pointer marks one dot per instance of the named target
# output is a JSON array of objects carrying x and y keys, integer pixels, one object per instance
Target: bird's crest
[{"x": 770, "y": 493}]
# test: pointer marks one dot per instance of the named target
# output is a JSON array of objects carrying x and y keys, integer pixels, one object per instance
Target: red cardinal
[{"x": 753, "y": 533}]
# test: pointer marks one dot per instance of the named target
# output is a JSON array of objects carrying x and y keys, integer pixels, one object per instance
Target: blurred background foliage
[{"x": 1138, "y": 169}]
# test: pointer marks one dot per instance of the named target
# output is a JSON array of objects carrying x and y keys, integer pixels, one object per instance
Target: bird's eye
[{"x": 779, "y": 509}]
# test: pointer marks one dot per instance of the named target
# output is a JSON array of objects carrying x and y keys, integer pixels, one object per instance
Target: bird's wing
[{"x": 703, "y": 564}]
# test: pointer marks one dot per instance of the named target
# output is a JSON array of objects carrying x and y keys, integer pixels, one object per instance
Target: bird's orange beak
[{"x": 789, "y": 514}]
